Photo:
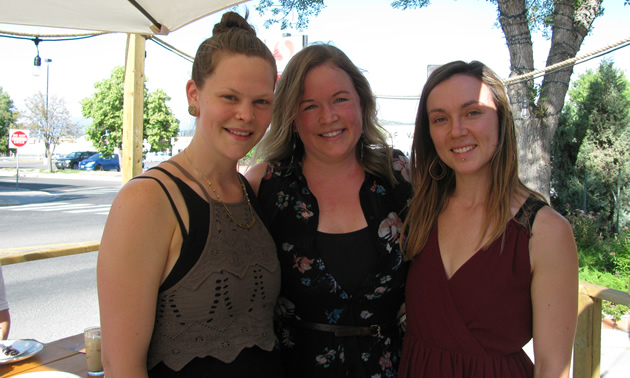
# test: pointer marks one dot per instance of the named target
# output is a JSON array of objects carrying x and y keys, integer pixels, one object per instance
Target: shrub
[{"x": 609, "y": 280}]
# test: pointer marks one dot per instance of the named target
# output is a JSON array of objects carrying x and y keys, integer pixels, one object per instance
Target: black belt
[{"x": 341, "y": 330}]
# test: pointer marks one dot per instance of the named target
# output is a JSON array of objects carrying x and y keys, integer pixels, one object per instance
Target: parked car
[
  {"x": 72, "y": 159},
  {"x": 100, "y": 162}
]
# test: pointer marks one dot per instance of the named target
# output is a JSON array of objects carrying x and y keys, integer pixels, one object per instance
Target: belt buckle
[{"x": 375, "y": 330}]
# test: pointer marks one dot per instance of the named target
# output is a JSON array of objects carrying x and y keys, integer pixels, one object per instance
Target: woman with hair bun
[{"x": 187, "y": 273}]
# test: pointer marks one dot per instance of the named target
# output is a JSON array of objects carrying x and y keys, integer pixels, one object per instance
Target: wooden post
[
  {"x": 588, "y": 338},
  {"x": 133, "y": 108}
]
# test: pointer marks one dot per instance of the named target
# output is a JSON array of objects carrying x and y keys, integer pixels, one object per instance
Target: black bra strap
[{"x": 170, "y": 199}]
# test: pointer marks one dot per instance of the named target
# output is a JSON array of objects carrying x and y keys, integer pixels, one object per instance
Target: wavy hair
[
  {"x": 281, "y": 144},
  {"x": 232, "y": 35},
  {"x": 431, "y": 196}
]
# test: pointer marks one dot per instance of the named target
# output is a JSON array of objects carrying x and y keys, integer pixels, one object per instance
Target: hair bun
[{"x": 232, "y": 20}]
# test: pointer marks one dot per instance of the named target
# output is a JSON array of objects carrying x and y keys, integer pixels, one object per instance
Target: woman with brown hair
[
  {"x": 187, "y": 272},
  {"x": 492, "y": 264}
]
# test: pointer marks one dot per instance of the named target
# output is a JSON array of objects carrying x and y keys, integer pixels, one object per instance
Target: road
[
  {"x": 52, "y": 298},
  {"x": 67, "y": 210}
]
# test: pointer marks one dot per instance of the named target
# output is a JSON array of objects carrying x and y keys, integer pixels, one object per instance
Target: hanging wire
[
  {"x": 172, "y": 49},
  {"x": 513, "y": 80}
]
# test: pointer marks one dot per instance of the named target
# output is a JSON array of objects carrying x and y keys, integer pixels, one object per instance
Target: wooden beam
[
  {"x": 18, "y": 255},
  {"x": 607, "y": 294},
  {"x": 588, "y": 337},
  {"x": 133, "y": 108}
]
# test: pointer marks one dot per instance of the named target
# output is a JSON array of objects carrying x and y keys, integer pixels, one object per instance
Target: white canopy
[{"x": 144, "y": 17}]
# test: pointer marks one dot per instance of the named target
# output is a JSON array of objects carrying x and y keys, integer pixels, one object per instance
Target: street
[
  {"x": 60, "y": 210},
  {"x": 52, "y": 298}
]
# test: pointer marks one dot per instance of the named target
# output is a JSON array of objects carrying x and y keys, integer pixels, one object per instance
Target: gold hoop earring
[
  {"x": 192, "y": 110},
  {"x": 442, "y": 169}
]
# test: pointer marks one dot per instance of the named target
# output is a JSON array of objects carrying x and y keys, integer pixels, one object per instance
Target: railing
[
  {"x": 17, "y": 255},
  {"x": 588, "y": 338}
]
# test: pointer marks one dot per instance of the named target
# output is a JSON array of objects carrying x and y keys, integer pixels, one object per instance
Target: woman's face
[
  {"x": 329, "y": 119},
  {"x": 234, "y": 105},
  {"x": 464, "y": 123}
]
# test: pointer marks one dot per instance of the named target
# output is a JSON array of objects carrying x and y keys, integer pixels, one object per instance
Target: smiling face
[
  {"x": 329, "y": 119},
  {"x": 234, "y": 105},
  {"x": 464, "y": 123}
]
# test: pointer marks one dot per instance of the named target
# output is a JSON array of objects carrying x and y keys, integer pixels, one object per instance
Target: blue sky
[{"x": 393, "y": 47}]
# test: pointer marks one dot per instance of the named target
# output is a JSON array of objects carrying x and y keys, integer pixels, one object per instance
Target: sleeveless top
[
  {"x": 476, "y": 323},
  {"x": 225, "y": 301}
]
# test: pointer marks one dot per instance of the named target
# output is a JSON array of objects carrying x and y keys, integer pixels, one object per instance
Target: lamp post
[{"x": 36, "y": 69}]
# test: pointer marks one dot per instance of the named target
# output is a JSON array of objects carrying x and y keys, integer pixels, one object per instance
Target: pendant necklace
[{"x": 229, "y": 213}]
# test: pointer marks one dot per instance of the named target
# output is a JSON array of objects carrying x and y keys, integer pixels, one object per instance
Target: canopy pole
[{"x": 133, "y": 114}]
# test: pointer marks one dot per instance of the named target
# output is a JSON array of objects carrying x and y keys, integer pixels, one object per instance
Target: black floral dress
[{"x": 315, "y": 296}]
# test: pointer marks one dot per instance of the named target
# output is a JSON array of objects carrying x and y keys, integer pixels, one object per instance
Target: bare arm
[
  {"x": 554, "y": 293},
  {"x": 255, "y": 174},
  {"x": 131, "y": 265},
  {"x": 5, "y": 324}
]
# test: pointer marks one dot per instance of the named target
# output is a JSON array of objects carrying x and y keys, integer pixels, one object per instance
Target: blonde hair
[
  {"x": 431, "y": 195},
  {"x": 281, "y": 144}
]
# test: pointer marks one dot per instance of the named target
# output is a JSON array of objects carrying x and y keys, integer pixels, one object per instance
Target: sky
[{"x": 393, "y": 48}]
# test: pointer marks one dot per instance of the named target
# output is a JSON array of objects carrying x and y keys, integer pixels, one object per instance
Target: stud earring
[{"x": 192, "y": 110}]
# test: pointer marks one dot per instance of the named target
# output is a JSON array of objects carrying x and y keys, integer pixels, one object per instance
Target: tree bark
[{"x": 535, "y": 133}]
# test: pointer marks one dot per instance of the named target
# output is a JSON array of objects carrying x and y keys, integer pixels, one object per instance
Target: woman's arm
[
  {"x": 131, "y": 265},
  {"x": 554, "y": 293},
  {"x": 5, "y": 324},
  {"x": 5, "y": 317}
]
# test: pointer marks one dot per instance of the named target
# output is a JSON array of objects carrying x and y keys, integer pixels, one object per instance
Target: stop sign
[{"x": 18, "y": 138}]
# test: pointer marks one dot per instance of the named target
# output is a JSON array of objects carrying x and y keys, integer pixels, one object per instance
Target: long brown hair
[
  {"x": 431, "y": 195},
  {"x": 280, "y": 142},
  {"x": 233, "y": 35}
]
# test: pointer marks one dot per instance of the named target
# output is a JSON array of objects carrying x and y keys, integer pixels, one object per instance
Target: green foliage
[
  {"x": 8, "y": 119},
  {"x": 409, "y": 4},
  {"x": 609, "y": 280},
  {"x": 105, "y": 108},
  {"x": 603, "y": 261},
  {"x": 590, "y": 149},
  {"x": 283, "y": 11},
  {"x": 160, "y": 123}
]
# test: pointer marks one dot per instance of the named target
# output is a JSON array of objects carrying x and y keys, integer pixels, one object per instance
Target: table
[{"x": 67, "y": 355}]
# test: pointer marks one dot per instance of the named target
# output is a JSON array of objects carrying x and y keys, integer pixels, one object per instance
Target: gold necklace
[{"x": 229, "y": 213}]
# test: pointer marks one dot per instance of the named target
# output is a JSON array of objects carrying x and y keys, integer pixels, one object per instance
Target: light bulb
[
  {"x": 524, "y": 113},
  {"x": 37, "y": 65}
]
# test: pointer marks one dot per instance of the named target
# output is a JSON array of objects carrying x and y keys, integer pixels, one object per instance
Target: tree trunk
[{"x": 535, "y": 133}]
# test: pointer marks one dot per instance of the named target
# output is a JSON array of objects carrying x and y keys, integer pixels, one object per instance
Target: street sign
[{"x": 17, "y": 138}]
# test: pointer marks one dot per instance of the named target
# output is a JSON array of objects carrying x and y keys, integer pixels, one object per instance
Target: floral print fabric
[{"x": 310, "y": 292}]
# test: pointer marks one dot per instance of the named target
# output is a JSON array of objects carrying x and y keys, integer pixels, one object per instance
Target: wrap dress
[{"x": 476, "y": 323}]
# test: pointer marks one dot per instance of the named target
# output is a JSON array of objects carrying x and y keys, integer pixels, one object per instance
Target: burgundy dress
[{"x": 476, "y": 323}]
